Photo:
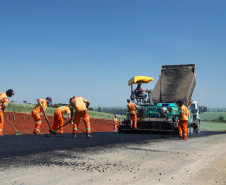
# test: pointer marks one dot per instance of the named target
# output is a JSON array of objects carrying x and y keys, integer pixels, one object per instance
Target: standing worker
[
  {"x": 3, "y": 104},
  {"x": 58, "y": 118},
  {"x": 80, "y": 105},
  {"x": 42, "y": 104},
  {"x": 115, "y": 123},
  {"x": 132, "y": 107},
  {"x": 183, "y": 119}
]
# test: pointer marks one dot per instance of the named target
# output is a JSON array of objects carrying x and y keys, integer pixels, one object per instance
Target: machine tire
[
  {"x": 197, "y": 131},
  {"x": 132, "y": 97},
  {"x": 190, "y": 130},
  {"x": 119, "y": 129}
]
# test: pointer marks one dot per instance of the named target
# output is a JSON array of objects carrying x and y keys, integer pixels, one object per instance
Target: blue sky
[{"x": 88, "y": 48}]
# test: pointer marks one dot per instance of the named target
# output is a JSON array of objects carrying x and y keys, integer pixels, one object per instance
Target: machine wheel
[
  {"x": 132, "y": 97},
  {"x": 197, "y": 131},
  {"x": 190, "y": 130},
  {"x": 119, "y": 129}
]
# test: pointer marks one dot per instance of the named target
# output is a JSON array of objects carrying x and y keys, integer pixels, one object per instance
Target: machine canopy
[{"x": 140, "y": 80}]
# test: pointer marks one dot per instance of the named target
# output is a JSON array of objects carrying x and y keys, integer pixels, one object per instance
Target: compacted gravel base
[{"x": 112, "y": 158}]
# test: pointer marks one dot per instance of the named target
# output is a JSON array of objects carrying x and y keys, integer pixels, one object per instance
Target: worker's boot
[
  {"x": 73, "y": 135},
  {"x": 89, "y": 136},
  {"x": 53, "y": 132},
  {"x": 36, "y": 133}
]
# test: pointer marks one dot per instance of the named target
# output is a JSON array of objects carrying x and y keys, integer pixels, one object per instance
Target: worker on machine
[
  {"x": 183, "y": 119},
  {"x": 58, "y": 118},
  {"x": 80, "y": 105},
  {"x": 140, "y": 92},
  {"x": 115, "y": 123},
  {"x": 40, "y": 107},
  {"x": 3, "y": 104},
  {"x": 132, "y": 107}
]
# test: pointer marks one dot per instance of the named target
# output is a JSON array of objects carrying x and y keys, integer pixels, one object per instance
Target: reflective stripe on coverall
[
  {"x": 58, "y": 118},
  {"x": 3, "y": 104},
  {"x": 78, "y": 104},
  {"x": 133, "y": 116},
  {"x": 183, "y": 122},
  {"x": 36, "y": 114}
]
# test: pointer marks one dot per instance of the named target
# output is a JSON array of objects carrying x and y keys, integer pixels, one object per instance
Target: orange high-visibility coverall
[
  {"x": 79, "y": 105},
  {"x": 58, "y": 118},
  {"x": 36, "y": 114},
  {"x": 3, "y": 104},
  {"x": 183, "y": 122},
  {"x": 133, "y": 116},
  {"x": 115, "y": 124}
]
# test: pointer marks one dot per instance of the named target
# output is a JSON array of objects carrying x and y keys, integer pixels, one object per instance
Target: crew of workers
[{"x": 79, "y": 105}]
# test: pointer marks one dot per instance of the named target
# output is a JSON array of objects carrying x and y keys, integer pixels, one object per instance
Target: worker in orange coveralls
[
  {"x": 115, "y": 123},
  {"x": 3, "y": 104},
  {"x": 132, "y": 107},
  {"x": 58, "y": 118},
  {"x": 80, "y": 105},
  {"x": 183, "y": 119},
  {"x": 36, "y": 113}
]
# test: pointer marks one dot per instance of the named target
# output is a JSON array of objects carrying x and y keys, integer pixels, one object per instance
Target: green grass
[
  {"x": 211, "y": 126},
  {"x": 212, "y": 115},
  {"x": 26, "y": 108}
]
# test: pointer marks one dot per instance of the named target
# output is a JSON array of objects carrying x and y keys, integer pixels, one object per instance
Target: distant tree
[
  {"x": 99, "y": 109},
  {"x": 90, "y": 109},
  {"x": 25, "y": 102},
  {"x": 221, "y": 118}
]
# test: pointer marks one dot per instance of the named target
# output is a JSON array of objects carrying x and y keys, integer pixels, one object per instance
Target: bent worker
[
  {"x": 58, "y": 118},
  {"x": 40, "y": 107},
  {"x": 132, "y": 107},
  {"x": 80, "y": 105},
  {"x": 3, "y": 104},
  {"x": 115, "y": 123},
  {"x": 183, "y": 119}
]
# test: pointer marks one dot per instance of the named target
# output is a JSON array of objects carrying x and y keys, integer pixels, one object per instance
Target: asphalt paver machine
[{"x": 158, "y": 108}]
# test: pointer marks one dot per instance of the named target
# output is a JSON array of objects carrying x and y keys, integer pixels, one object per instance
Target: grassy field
[
  {"x": 210, "y": 126},
  {"x": 212, "y": 115},
  {"x": 26, "y": 108}
]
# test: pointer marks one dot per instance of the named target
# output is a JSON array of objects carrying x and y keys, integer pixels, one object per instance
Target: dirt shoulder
[{"x": 111, "y": 158}]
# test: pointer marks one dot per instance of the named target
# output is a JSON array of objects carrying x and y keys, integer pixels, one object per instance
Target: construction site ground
[{"x": 112, "y": 158}]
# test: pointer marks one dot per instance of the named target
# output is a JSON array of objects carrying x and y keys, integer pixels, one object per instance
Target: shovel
[{"x": 16, "y": 133}]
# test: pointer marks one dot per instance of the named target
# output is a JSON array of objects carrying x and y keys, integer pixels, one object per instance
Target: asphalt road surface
[{"x": 112, "y": 158}]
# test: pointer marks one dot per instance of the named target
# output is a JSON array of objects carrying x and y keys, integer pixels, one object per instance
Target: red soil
[{"x": 25, "y": 124}]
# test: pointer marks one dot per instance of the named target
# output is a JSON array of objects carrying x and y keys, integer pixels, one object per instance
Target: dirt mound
[{"x": 25, "y": 124}]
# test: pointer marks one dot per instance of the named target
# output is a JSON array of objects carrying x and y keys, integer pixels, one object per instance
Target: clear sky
[{"x": 91, "y": 48}]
